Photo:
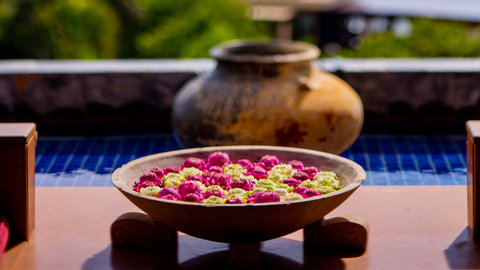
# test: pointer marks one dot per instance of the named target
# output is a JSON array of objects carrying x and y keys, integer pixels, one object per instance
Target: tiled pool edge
[{"x": 388, "y": 160}]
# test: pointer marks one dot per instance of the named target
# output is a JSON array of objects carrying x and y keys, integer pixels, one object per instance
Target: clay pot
[
  {"x": 267, "y": 93},
  {"x": 240, "y": 223}
]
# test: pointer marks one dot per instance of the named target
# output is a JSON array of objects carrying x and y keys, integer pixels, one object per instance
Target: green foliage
[
  {"x": 83, "y": 28},
  {"x": 429, "y": 38},
  {"x": 59, "y": 29},
  {"x": 91, "y": 29},
  {"x": 193, "y": 27}
]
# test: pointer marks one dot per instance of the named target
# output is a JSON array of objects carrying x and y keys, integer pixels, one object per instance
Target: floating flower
[
  {"x": 268, "y": 161},
  {"x": 293, "y": 197},
  {"x": 292, "y": 182},
  {"x": 192, "y": 197},
  {"x": 213, "y": 200},
  {"x": 302, "y": 176},
  {"x": 236, "y": 191},
  {"x": 193, "y": 162},
  {"x": 215, "y": 169},
  {"x": 150, "y": 190},
  {"x": 325, "y": 189},
  {"x": 222, "y": 179},
  {"x": 194, "y": 178},
  {"x": 286, "y": 170},
  {"x": 213, "y": 192},
  {"x": 158, "y": 171},
  {"x": 233, "y": 201},
  {"x": 306, "y": 192},
  {"x": 265, "y": 183},
  {"x": 245, "y": 163},
  {"x": 243, "y": 183},
  {"x": 297, "y": 165},
  {"x": 310, "y": 193},
  {"x": 172, "y": 179},
  {"x": 169, "y": 190},
  {"x": 300, "y": 190},
  {"x": 170, "y": 169},
  {"x": 219, "y": 159},
  {"x": 190, "y": 171},
  {"x": 168, "y": 197},
  {"x": 266, "y": 197},
  {"x": 149, "y": 176},
  {"x": 309, "y": 184},
  {"x": 311, "y": 171},
  {"x": 259, "y": 173},
  {"x": 139, "y": 185},
  {"x": 188, "y": 187},
  {"x": 327, "y": 178},
  {"x": 281, "y": 191}
]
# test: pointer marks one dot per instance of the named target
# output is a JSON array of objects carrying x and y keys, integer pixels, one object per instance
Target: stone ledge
[{"x": 393, "y": 90}]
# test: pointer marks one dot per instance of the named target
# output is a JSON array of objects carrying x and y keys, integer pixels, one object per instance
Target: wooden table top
[{"x": 410, "y": 227}]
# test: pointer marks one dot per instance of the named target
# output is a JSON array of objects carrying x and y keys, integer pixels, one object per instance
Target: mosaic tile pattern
[{"x": 388, "y": 160}]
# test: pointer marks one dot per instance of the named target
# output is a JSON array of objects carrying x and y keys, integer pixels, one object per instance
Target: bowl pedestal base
[{"x": 340, "y": 236}]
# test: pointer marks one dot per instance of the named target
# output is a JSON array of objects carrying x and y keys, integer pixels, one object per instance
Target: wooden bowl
[{"x": 244, "y": 223}]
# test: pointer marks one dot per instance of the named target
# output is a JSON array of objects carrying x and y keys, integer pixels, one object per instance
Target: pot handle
[{"x": 303, "y": 84}]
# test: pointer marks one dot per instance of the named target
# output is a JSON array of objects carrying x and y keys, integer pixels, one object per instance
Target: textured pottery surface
[
  {"x": 245, "y": 223},
  {"x": 267, "y": 93}
]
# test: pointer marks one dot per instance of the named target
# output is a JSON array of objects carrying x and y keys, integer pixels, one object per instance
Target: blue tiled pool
[{"x": 388, "y": 160}]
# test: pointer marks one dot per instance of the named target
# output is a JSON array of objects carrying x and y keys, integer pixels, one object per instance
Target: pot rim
[{"x": 274, "y": 52}]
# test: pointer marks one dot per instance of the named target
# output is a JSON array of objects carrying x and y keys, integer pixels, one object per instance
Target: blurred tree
[
  {"x": 429, "y": 38},
  {"x": 189, "y": 28},
  {"x": 60, "y": 29},
  {"x": 90, "y": 29}
]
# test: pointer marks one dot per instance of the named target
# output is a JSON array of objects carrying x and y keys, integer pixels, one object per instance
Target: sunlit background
[{"x": 111, "y": 29}]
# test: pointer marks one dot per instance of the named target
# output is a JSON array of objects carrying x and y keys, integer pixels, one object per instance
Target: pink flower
[
  {"x": 306, "y": 192},
  {"x": 297, "y": 165},
  {"x": 188, "y": 187},
  {"x": 251, "y": 198},
  {"x": 311, "y": 171},
  {"x": 219, "y": 159},
  {"x": 169, "y": 190},
  {"x": 158, "y": 171},
  {"x": 311, "y": 193},
  {"x": 138, "y": 185},
  {"x": 222, "y": 179},
  {"x": 192, "y": 197},
  {"x": 243, "y": 183},
  {"x": 245, "y": 163},
  {"x": 215, "y": 169},
  {"x": 292, "y": 182},
  {"x": 259, "y": 173},
  {"x": 267, "y": 162},
  {"x": 207, "y": 178},
  {"x": 170, "y": 169},
  {"x": 233, "y": 201},
  {"x": 168, "y": 197},
  {"x": 194, "y": 178},
  {"x": 149, "y": 176},
  {"x": 213, "y": 192},
  {"x": 266, "y": 196},
  {"x": 148, "y": 179},
  {"x": 300, "y": 190},
  {"x": 193, "y": 162},
  {"x": 302, "y": 176}
]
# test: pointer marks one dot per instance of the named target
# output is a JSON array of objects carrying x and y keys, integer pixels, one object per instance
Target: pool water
[{"x": 387, "y": 159}]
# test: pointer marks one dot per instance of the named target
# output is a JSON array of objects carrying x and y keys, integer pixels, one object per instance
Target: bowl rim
[{"x": 115, "y": 178}]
